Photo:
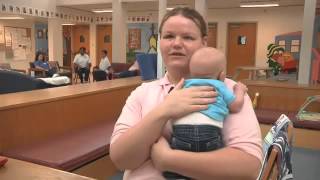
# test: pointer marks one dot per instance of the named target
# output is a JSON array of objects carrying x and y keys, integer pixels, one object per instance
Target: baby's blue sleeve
[{"x": 228, "y": 96}]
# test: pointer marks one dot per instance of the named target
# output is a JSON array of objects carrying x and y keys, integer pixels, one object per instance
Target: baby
[{"x": 201, "y": 131}]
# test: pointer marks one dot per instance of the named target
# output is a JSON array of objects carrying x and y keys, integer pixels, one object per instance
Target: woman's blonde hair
[{"x": 188, "y": 13}]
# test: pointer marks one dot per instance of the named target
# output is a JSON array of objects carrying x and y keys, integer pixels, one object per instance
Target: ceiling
[{"x": 153, "y": 5}]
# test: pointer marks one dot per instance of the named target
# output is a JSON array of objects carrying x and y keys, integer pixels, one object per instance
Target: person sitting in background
[
  {"x": 82, "y": 64},
  {"x": 105, "y": 66},
  {"x": 132, "y": 71},
  {"x": 105, "y": 63},
  {"x": 41, "y": 63}
]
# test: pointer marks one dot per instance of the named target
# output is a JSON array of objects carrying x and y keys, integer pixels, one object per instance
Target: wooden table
[
  {"x": 21, "y": 170},
  {"x": 253, "y": 71}
]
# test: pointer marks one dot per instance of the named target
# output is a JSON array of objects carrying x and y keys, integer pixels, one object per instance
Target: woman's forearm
[
  {"x": 132, "y": 148},
  {"x": 226, "y": 163}
]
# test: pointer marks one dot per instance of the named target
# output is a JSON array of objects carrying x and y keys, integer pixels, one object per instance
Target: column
[
  {"x": 160, "y": 64},
  {"x": 201, "y": 7},
  {"x": 306, "y": 42},
  {"x": 119, "y": 29},
  {"x": 93, "y": 42},
  {"x": 55, "y": 40}
]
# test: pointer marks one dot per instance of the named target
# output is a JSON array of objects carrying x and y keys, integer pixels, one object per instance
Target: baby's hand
[{"x": 240, "y": 87}]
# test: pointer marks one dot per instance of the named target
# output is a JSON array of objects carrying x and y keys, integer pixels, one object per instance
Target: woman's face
[
  {"x": 41, "y": 57},
  {"x": 180, "y": 38}
]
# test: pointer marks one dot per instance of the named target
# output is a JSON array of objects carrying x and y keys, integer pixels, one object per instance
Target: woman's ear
[{"x": 205, "y": 40}]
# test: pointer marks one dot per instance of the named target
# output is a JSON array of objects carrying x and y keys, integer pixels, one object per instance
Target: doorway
[
  {"x": 104, "y": 41},
  {"x": 212, "y": 35},
  {"x": 241, "y": 47}
]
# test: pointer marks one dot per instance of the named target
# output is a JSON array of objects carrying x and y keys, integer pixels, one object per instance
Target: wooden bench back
[
  {"x": 280, "y": 95},
  {"x": 34, "y": 116}
]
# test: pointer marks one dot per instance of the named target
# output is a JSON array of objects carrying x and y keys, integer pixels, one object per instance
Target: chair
[
  {"x": 277, "y": 150},
  {"x": 36, "y": 72},
  {"x": 61, "y": 70},
  {"x": 99, "y": 75},
  {"x": 7, "y": 66},
  {"x": 75, "y": 73}
]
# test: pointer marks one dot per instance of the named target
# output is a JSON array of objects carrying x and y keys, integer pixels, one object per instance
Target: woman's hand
[
  {"x": 182, "y": 101},
  {"x": 240, "y": 88},
  {"x": 160, "y": 153}
]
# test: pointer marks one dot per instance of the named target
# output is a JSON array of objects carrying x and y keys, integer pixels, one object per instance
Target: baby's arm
[{"x": 239, "y": 91}]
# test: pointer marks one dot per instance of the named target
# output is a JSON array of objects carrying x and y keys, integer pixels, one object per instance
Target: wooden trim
[{"x": 21, "y": 99}]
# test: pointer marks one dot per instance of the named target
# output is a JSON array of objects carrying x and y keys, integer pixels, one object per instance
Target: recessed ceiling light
[
  {"x": 169, "y": 8},
  {"x": 102, "y": 10},
  {"x": 259, "y": 5},
  {"x": 12, "y": 17},
  {"x": 70, "y": 24}
]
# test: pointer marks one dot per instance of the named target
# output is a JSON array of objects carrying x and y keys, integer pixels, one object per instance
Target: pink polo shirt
[{"x": 240, "y": 130}]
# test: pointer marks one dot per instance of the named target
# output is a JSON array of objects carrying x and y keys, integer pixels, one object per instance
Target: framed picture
[
  {"x": 295, "y": 49},
  {"x": 11, "y": 9},
  {"x": 30, "y": 11},
  {"x": 295, "y": 42},
  {"x": 282, "y": 43},
  {"x": 82, "y": 39},
  {"x": 39, "y": 33},
  {"x": 3, "y": 8},
  {"x": 24, "y": 10},
  {"x": 242, "y": 40},
  {"x": 18, "y": 11},
  {"x": 42, "y": 13}
]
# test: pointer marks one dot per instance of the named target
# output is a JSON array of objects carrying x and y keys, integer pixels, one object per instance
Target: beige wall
[{"x": 270, "y": 22}]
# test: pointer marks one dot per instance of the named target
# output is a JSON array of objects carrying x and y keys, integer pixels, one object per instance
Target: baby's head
[{"x": 207, "y": 62}]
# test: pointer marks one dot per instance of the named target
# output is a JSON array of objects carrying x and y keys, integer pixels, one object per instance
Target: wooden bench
[
  {"x": 276, "y": 98},
  {"x": 65, "y": 127}
]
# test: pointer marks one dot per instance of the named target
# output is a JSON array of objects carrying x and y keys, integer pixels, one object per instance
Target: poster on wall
[
  {"x": 134, "y": 39},
  {"x": 18, "y": 43}
]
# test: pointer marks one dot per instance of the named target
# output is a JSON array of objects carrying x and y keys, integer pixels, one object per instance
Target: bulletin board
[
  {"x": 17, "y": 41},
  {"x": 134, "y": 39}
]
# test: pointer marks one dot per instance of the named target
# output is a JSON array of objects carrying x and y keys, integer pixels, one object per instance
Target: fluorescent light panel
[
  {"x": 102, "y": 10},
  {"x": 259, "y": 5},
  {"x": 70, "y": 24},
  {"x": 12, "y": 17}
]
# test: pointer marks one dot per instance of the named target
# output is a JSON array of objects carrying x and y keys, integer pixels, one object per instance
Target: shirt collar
[{"x": 165, "y": 83}]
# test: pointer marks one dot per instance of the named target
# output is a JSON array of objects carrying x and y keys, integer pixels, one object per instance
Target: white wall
[
  {"x": 25, "y": 23},
  {"x": 270, "y": 22}
]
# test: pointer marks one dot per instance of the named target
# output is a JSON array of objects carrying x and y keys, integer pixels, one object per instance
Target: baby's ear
[{"x": 222, "y": 76}]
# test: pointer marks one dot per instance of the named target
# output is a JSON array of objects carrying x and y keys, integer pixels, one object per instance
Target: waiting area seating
[
  {"x": 12, "y": 81},
  {"x": 61, "y": 70},
  {"x": 71, "y": 133},
  {"x": 68, "y": 151},
  {"x": 276, "y": 98}
]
